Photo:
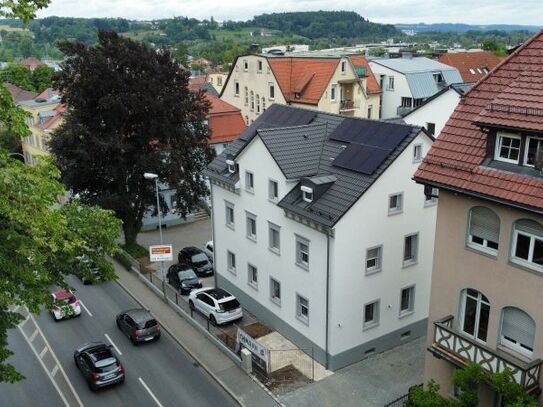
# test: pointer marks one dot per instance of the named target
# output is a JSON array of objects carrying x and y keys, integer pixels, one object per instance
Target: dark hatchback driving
[
  {"x": 197, "y": 260},
  {"x": 99, "y": 365},
  {"x": 138, "y": 325}
]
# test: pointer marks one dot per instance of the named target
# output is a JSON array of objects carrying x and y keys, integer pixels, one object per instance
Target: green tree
[
  {"x": 130, "y": 112},
  {"x": 17, "y": 75},
  {"x": 12, "y": 122},
  {"x": 181, "y": 54},
  {"x": 39, "y": 240},
  {"x": 42, "y": 78},
  {"x": 23, "y": 9}
]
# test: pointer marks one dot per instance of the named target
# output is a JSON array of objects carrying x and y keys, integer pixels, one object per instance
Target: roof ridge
[{"x": 316, "y": 124}]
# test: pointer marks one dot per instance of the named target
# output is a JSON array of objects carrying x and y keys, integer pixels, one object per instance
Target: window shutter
[
  {"x": 519, "y": 326},
  {"x": 485, "y": 224},
  {"x": 529, "y": 226}
]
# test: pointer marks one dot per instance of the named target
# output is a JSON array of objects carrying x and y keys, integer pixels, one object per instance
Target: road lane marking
[
  {"x": 85, "y": 308},
  {"x": 115, "y": 346},
  {"x": 33, "y": 336},
  {"x": 24, "y": 321},
  {"x": 54, "y": 371},
  {"x": 43, "y": 352},
  {"x": 150, "y": 392}
]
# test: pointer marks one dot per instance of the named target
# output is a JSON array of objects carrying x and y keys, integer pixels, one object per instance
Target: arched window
[
  {"x": 483, "y": 229},
  {"x": 257, "y": 103},
  {"x": 246, "y": 96},
  {"x": 474, "y": 313},
  {"x": 527, "y": 244},
  {"x": 517, "y": 331},
  {"x": 263, "y": 104},
  {"x": 252, "y": 101}
]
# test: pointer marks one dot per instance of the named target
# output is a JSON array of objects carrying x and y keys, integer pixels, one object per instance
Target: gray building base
[{"x": 334, "y": 362}]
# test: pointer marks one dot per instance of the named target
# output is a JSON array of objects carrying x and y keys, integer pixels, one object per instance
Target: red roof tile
[
  {"x": 59, "y": 112},
  {"x": 466, "y": 62},
  {"x": 510, "y": 96},
  {"x": 19, "y": 94},
  {"x": 311, "y": 75},
  {"x": 224, "y": 120},
  {"x": 372, "y": 86}
]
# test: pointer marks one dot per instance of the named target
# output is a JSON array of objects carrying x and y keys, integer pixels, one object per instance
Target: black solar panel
[
  {"x": 279, "y": 116},
  {"x": 361, "y": 158},
  {"x": 371, "y": 133}
]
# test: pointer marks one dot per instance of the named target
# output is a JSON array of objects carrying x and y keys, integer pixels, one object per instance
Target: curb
[{"x": 189, "y": 352}]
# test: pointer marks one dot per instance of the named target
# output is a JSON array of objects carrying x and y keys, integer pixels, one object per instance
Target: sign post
[{"x": 161, "y": 253}]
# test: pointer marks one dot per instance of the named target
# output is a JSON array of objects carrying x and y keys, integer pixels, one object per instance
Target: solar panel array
[{"x": 370, "y": 143}]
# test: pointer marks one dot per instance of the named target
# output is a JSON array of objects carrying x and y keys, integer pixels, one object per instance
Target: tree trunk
[{"x": 131, "y": 229}]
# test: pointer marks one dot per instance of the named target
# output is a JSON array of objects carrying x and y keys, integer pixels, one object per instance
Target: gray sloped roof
[{"x": 300, "y": 157}]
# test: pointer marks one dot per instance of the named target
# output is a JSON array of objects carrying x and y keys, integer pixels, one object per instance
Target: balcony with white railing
[{"x": 460, "y": 349}]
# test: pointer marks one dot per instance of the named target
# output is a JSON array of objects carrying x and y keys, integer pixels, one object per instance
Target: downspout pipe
[{"x": 328, "y": 232}]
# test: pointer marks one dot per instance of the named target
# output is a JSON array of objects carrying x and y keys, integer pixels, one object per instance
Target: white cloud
[{"x": 393, "y": 11}]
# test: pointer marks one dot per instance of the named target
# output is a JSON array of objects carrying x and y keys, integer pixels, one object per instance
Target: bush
[
  {"x": 135, "y": 250},
  {"x": 122, "y": 258}
]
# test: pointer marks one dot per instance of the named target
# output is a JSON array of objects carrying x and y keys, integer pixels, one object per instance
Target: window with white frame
[
  {"x": 307, "y": 193},
  {"x": 395, "y": 203},
  {"x": 272, "y": 91},
  {"x": 343, "y": 66},
  {"x": 474, "y": 314},
  {"x": 230, "y": 220},
  {"x": 236, "y": 88},
  {"x": 390, "y": 83},
  {"x": 273, "y": 190},
  {"x": 333, "y": 92},
  {"x": 252, "y": 275},
  {"x": 527, "y": 244},
  {"x": 302, "y": 308},
  {"x": 417, "y": 153},
  {"x": 483, "y": 230},
  {"x": 517, "y": 331},
  {"x": 371, "y": 314},
  {"x": 374, "y": 259},
  {"x": 263, "y": 104},
  {"x": 219, "y": 81},
  {"x": 251, "y": 226},
  {"x": 410, "y": 249},
  {"x": 507, "y": 147},
  {"x": 231, "y": 262},
  {"x": 533, "y": 145},
  {"x": 370, "y": 111},
  {"x": 249, "y": 181},
  {"x": 407, "y": 300},
  {"x": 252, "y": 101},
  {"x": 275, "y": 290},
  {"x": 431, "y": 200},
  {"x": 302, "y": 252},
  {"x": 274, "y": 237}
]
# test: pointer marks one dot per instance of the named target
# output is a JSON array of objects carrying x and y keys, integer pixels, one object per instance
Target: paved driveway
[{"x": 370, "y": 383}]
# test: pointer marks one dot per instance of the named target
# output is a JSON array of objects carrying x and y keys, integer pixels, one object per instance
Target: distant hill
[
  {"x": 324, "y": 24},
  {"x": 462, "y": 28}
]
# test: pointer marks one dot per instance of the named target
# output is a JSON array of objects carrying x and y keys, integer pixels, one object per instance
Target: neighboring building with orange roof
[
  {"x": 342, "y": 84},
  {"x": 473, "y": 66},
  {"x": 31, "y": 63},
  {"x": 224, "y": 121},
  {"x": 19, "y": 94},
  {"x": 46, "y": 112}
]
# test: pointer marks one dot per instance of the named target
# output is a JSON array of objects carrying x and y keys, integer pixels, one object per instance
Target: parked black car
[
  {"x": 197, "y": 260},
  {"x": 99, "y": 365},
  {"x": 183, "y": 278},
  {"x": 138, "y": 325}
]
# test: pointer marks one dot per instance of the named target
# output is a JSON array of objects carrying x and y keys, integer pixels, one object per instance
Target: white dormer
[
  {"x": 307, "y": 193},
  {"x": 231, "y": 166}
]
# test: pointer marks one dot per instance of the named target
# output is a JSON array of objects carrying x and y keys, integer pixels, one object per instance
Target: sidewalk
[{"x": 246, "y": 391}]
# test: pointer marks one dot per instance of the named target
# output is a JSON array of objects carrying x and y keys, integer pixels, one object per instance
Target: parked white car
[
  {"x": 65, "y": 305},
  {"x": 216, "y": 304}
]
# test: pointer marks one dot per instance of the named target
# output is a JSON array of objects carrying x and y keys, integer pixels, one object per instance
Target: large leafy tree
[
  {"x": 39, "y": 241},
  {"x": 130, "y": 112},
  {"x": 23, "y": 9},
  {"x": 12, "y": 122}
]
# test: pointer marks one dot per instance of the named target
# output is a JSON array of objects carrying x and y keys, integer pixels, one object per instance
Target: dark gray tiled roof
[{"x": 311, "y": 156}]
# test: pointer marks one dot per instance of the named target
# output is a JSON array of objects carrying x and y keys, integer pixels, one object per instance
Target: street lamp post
[{"x": 151, "y": 176}]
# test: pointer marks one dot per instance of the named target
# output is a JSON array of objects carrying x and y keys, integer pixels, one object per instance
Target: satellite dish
[{"x": 538, "y": 159}]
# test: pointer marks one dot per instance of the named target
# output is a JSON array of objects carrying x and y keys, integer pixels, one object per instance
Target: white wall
[
  {"x": 256, "y": 81},
  {"x": 436, "y": 111},
  {"x": 391, "y": 99},
  {"x": 366, "y": 225},
  {"x": 310, "y": 284}
]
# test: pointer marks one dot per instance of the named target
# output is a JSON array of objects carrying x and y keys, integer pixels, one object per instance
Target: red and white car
[{"x": 65, "y": 305}]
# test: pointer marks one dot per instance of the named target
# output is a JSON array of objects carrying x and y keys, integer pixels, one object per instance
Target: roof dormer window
[
  {"x": 231, "y": 166},
  {"x": 507, "y": 148},
  {"x": 307, "y": 193},
  {"x": 534, "y": 151}
]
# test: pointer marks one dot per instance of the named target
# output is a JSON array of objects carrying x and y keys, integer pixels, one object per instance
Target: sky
[{"x": 478, "y": 12}]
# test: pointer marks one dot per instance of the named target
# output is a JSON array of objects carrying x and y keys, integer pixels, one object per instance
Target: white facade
[
  {"x": 342, "y": 257},
  {"x": 391, "y": 96},
  {"x": 436, "y": 111}
]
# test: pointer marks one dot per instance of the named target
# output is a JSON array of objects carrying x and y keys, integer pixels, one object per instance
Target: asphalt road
[
  {"x": 157, "y": 373},
  {"x": 37, "y": 389}
]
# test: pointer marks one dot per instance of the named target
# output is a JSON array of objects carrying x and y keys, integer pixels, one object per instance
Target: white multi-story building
[
  {"x": 407, "y": 82},
  {"x": 320, "y": 232}
]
